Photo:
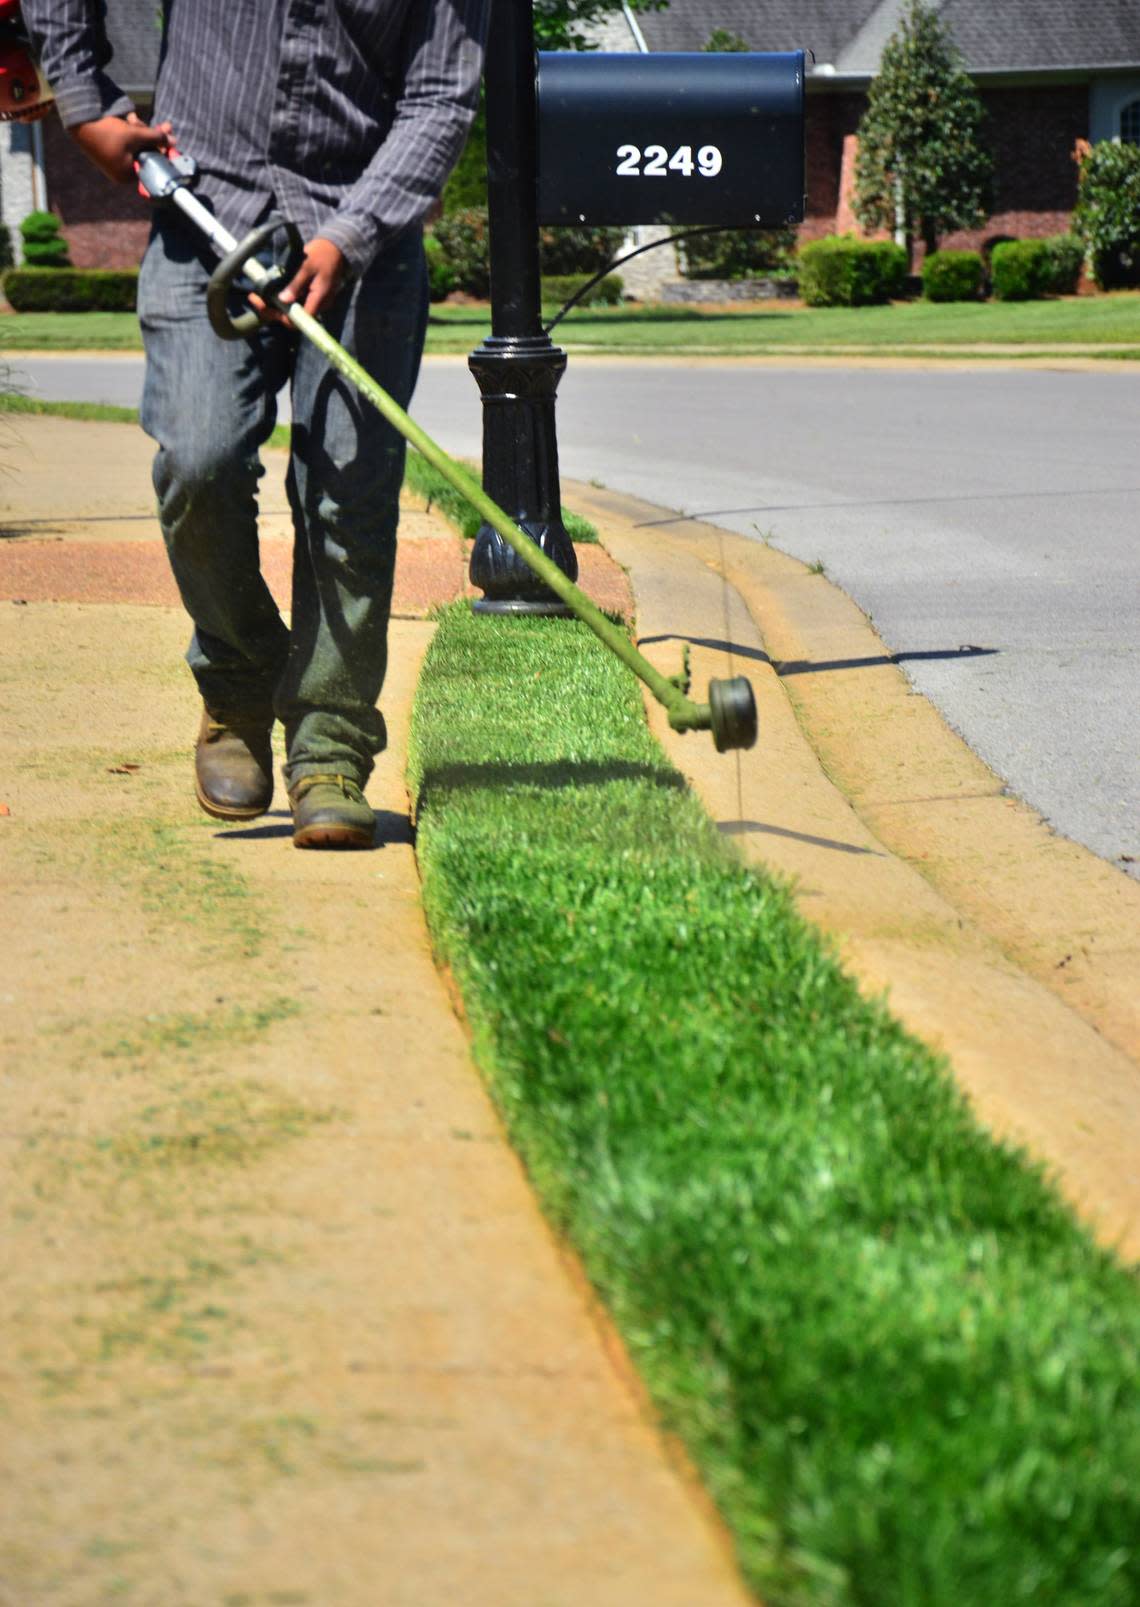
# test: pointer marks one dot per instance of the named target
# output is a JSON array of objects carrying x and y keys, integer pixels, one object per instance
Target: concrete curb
[{"x": 935, "y": 885}]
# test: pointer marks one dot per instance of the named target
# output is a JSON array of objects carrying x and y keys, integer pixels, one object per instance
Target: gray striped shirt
[{"x": 345, "y": 115}]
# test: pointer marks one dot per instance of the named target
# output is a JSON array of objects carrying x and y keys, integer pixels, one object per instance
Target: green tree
[
  {"x": 568, "y": 24},
  {"x": 558, "y": 25},
  {"x": 1107, "y": 218},
  {"x": 921, "y": 160},
  {"x": 725, "y": 41}
]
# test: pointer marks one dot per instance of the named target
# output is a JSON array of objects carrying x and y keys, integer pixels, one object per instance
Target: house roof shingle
[{"x": 849, "y": 34}]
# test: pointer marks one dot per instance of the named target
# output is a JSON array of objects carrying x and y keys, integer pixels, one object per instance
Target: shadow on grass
[{"x": 550, "y": 777}]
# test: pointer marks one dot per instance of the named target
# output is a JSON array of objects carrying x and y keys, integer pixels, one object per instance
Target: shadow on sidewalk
[{"x": 392, "y": 829}]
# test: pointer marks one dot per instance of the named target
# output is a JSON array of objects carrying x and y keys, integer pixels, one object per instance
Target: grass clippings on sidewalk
[{"x": 905, "y": 1371}]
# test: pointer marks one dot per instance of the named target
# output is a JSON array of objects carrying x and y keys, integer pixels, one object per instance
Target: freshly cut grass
[
  {"x": 906, "y": 1373},
  {"x": 440, "y": 493}
]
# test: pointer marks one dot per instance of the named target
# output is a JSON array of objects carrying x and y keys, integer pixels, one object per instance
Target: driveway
[{"x": 990, "y": 507}]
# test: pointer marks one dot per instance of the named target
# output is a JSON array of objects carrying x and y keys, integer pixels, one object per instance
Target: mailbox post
[
  {"x": 517, "y": 367},
  {"x": 595, "y": 138}
]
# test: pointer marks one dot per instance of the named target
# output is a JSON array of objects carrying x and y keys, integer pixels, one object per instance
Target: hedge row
[
  {"x": 71, "y": 289},
  {"x": 841, "y": 271},
  {"x": 952, "y": 276}
]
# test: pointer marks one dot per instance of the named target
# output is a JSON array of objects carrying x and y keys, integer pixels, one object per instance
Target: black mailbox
[{"x": 671, "y": 138}]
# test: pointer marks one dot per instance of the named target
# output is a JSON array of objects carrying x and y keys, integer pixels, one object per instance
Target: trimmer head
[{"x": 733, "y": 708}]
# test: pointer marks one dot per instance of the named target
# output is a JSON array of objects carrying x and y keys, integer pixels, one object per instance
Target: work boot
[
  {"x": 330, "y": 812},
  {"x": 233, "y": 765}
]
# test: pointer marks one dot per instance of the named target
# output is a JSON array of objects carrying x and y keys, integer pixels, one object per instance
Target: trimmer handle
[
  {"x": 222, "y": 321},
  {"x": 161, "y": 173}
]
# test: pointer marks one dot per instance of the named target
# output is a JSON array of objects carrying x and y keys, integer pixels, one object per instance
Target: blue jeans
[{"x": 210, "y": 405}]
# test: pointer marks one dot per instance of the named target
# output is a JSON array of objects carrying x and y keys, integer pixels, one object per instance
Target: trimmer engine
[{"x": 24, "y": 92}]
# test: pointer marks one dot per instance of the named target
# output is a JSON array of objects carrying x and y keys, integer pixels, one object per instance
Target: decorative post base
[{"x": 518, "y": 377}]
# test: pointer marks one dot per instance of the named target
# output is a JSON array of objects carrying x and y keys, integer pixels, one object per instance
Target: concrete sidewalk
[{"x": 281, "y": 1322}]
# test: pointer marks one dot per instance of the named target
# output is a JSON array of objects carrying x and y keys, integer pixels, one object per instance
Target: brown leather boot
[
  {"x": 233, "y": 765},
  {"x": 330, "y": 812}
]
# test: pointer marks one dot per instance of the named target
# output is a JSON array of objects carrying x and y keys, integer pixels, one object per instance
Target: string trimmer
[{"x": 730, "y": 713}]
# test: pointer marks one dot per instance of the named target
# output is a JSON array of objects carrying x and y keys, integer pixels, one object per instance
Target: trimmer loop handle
[{"x": 222, "y": 321}]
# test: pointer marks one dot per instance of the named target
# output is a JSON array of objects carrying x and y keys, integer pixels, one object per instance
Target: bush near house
[
  {"x": 44, "y": 246},
  {"x": 841, "y": 271},
  {"x": 737, "y": 254},
  {"x": 71, "y": 289},
  {"x": 952, "y": 276},
  {"x": 441, "y": 275},
  {"x": 1020, "y": 270},
  {"x": 1065, "y": 259},
  {"x": 558, "y": 288},
  {"x": 463, "y": 241},
  {"x": 1107, "y": 216},
  {"x": 464, "y": 249}
]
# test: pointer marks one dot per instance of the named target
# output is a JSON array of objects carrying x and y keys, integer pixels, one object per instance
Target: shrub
[
  {"x": 462, "y": 239},
  {"x": 441, "y": 276},
  {"x": 557, "y": 288},
  {"x": 71, "y": 289},
  {"x": 44, "y": 246},
  {"x": 737, "y": 253},
  {"x": 1065, "y": 259},
  {"x": 1107, "y": 216},
  {"x": 1020, "y": 270},
  {"x": 952, "y": 276},
  {"x": 841, "y": 271},
  {"x": 6, "y": 256},
  {"x": 574, "y": 249}
]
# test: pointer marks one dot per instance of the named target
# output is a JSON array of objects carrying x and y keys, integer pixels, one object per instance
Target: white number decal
[{"x": 708, "y": 165}]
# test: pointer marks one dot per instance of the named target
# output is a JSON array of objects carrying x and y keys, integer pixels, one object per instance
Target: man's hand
[
  {"x": 115, "y": 144},
  {"x": 319, "y": 277}
]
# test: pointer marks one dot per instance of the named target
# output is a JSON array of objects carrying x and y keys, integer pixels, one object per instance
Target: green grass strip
[
  {"x": 907, "y": 1374},
  {"x": 98, "y": 412},
  {"x": 101, "y": 413}
]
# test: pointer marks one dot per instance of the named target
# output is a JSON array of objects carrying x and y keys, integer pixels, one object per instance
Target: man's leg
[
  {"x": 344, "y": 483},
  {"x": 210, "y": 405}
]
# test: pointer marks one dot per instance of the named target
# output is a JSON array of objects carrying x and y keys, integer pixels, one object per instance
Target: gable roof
[{"x": 848, "y": 35}]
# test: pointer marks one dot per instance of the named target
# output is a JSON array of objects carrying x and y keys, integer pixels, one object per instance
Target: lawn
[
  {"x": 906, "y": 1374},
  {"x": 1103, "y": 321}
]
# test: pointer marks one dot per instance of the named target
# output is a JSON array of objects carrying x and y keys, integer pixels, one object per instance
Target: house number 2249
[{"x": 658, "y": 164}]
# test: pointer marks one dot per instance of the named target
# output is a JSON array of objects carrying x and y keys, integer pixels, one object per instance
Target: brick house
[{"x": 1050, "y": 72}]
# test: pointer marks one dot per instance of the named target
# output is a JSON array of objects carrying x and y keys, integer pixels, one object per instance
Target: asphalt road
[{"x": 989, "y": 507}]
